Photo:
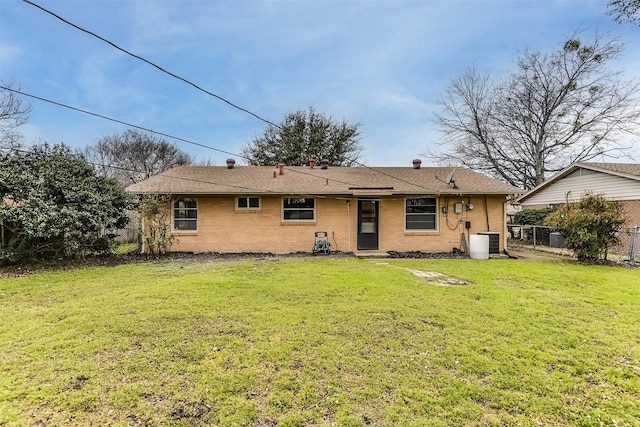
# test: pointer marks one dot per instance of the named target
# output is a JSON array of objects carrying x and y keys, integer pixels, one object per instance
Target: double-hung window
[
  {"x": 185, "y": 214},
  {"x": 299, "y": 209},
  {"x": 421, "y": 214},
  {"x": 249, "y": 203}
]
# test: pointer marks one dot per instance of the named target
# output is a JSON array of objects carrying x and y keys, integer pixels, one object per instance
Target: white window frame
[
  {"x": 408, "y": 214},
  {"x": 175, "y": 218},
  {"x": 248, "y": 207},
  {"x": 285, "y": 209}
]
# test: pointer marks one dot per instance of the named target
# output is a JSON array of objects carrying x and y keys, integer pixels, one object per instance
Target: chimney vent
[
  {"x": 417, "y": 163},
  {"x": 312, "y": 163},
  {"x": 231, "y": 163},
  {"x": 324, "y": 164},
  {"x": 281, "y": 168}
]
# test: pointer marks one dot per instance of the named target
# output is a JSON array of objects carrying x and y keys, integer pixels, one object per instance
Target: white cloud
[
  {"x": 382, "y": 63},
  {"x": 9, "y": 53}
]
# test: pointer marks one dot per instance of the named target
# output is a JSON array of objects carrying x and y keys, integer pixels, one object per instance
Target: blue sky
[{"x": 380, "y": 63}]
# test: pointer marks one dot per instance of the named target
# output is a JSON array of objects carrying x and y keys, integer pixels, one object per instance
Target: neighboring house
[
  {"x": 266, "y": 209},
  {"x": 614, "y": 181}
]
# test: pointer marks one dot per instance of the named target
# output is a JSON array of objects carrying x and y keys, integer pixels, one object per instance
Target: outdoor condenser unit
[{"x": 494, "y": 241}]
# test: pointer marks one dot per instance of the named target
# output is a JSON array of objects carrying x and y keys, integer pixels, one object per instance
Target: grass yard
[{"x": 322, "y": 342}]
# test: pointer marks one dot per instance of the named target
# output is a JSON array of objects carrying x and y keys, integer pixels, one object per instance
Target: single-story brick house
[
  {"x": 614, "y": 181},
  {"x": 278, "y": 209}
]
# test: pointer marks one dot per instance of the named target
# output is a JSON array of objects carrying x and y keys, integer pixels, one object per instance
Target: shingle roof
[
  {"x": 334, "y": 180},
  {"x": 630, "y": 170}
]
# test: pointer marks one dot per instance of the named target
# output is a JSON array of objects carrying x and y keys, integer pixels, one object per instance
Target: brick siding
[
  {"x": 631, "y": 210},
  {"x": 222, "y": 228}
]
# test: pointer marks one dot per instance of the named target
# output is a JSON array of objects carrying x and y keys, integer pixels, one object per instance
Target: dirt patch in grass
[
  {"x": 434, "y": 277},
  {"x": 439, "y": 279}
]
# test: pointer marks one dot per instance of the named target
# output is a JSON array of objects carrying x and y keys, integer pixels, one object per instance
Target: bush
[
  {"x": 532, "y": 216},
  {"x": 54, "y": 205},
  {"x": 590, "y": 227}
]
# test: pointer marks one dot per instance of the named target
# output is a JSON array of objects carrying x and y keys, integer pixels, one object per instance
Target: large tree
[
  {"x": 52, "y": 204},
  {"x": 14, "y": 112},
  {"x": 305, "y": 135},
  {"x": 625, "y": 11},
  {"x": 553, "y": 110},
  {"x": 134, "y": 156}
]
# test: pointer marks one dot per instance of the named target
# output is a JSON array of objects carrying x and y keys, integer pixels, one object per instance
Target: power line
[
  {"x": 18, "y": 150},
  {"x": 153, "y": 64},
  {"x": 80, "y": 110},
  {"x": 101, "y": 116},
  {"x": 200, "y": 89}
]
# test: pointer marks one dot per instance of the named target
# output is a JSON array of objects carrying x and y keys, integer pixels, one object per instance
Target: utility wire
[
  {"x": 201, "y": 181},
  {"x": 80, "y": 110},
  {"x": 244, "y": 110},
  {"x": 101, "y": 116},
  {"x": 200, "y": 89}
]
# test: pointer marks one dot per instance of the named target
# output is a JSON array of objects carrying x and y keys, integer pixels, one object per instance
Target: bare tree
[
  {"x": 303, "y": 135},
  {"x": 134, "y": 156},
  {"x": 555, "y": 109},
  {"x": 14, "y": 112},
  {"x": 625, "y": 11}
]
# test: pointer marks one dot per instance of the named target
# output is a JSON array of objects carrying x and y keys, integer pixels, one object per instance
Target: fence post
[
  {"x": 534, "y": 237},
  {"x": 634, "y": 244}
]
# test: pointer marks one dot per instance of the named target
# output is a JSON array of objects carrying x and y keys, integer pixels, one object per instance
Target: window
[
  {"x": 299, "y": 209},
  {"x": 185, "y": 214},
  {"x": 248, "y": 203},
  {"x": 421, "y": 214}
]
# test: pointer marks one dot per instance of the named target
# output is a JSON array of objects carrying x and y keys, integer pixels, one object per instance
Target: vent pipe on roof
[
  {"x": 231, "y": 163},
  {"x": 312, "y": 163},
  {"x": 281, "y": 168},
  {"x": 324, "y": 164},
  {"x": 417, "y": 163}
]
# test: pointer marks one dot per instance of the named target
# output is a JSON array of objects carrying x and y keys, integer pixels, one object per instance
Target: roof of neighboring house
[
  {"x": 623, "y": 170},
  {"x": 306, "y": 180}
]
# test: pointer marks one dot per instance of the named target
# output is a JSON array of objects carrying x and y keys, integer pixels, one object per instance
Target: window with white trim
[
  {"x": 249, "y": 203},
  {"x": 299, "y": 209},
  {"x": 185, "y": 214},
  {"x": 421, "y": 214}
]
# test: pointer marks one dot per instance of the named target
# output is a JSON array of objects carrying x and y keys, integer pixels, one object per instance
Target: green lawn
[{"x": 322, "y": 341}]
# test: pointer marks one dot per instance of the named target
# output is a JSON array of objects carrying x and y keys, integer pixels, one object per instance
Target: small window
[
  {"x": 421, "y": 214},
  {"x": 248, "y": 203},
  {"x": 299, "y": 209},
  {"x": 185, "y": 214}
]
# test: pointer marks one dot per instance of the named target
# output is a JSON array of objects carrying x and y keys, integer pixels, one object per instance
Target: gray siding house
[{"x": 614, "y": 181}]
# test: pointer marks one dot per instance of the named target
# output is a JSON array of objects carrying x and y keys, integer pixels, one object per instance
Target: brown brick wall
[
  {"x": 631, "y": 210},
  {"x": 221, "y": 228}
]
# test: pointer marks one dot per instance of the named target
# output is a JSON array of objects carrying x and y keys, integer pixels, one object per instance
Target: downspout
[
  {"x": 486, "y": 212},
  {"x": 348, "y": 225}
]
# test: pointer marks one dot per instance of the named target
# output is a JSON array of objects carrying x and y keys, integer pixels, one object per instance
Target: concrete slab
[{"x": 371, "y": 254}]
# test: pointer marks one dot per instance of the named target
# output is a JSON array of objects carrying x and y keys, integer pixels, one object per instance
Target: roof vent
[
  {"x": 324, "y": 164},
  {"x": 417, "y": 163},
  {"x": 312, "y": 163},
  {"x": 231, "y": 163}
]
